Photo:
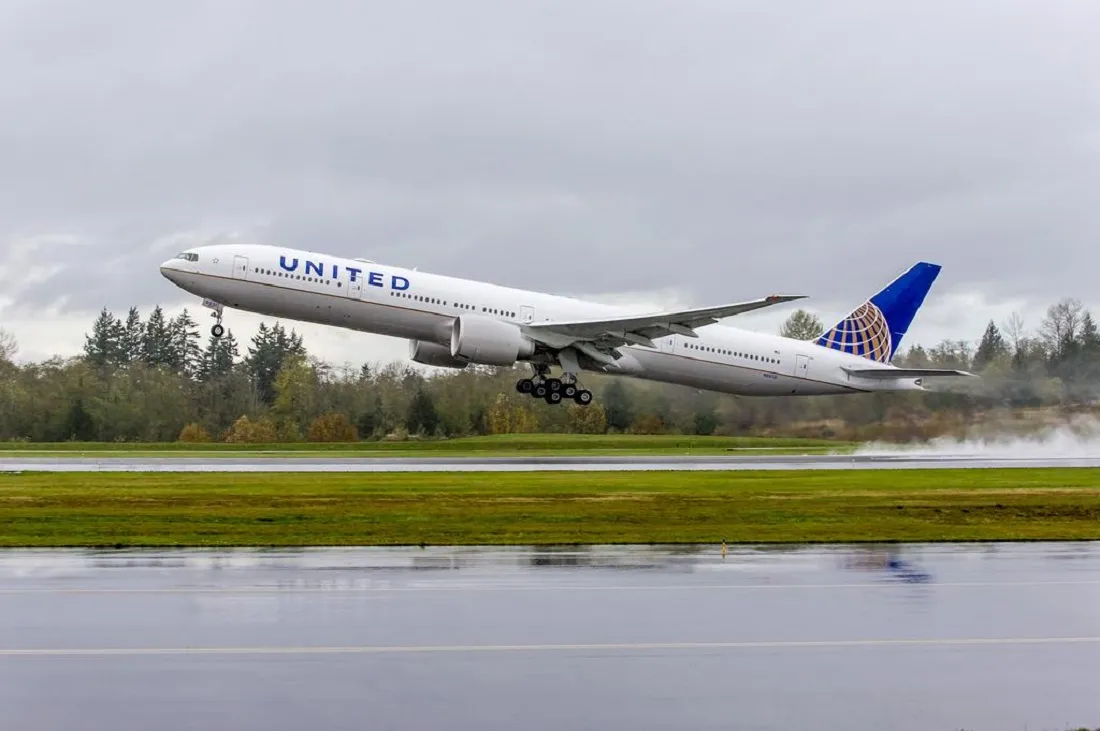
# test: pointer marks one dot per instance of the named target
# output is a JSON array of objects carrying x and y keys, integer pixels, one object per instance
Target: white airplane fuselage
[{"x": 422, "y": 307}]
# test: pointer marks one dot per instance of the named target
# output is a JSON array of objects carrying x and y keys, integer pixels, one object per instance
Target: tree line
[{"x": 151, "y": 378}]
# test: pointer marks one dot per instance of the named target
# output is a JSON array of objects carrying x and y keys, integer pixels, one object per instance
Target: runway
[
  {"x": 530, "y": 464},
  {"x": 992, "y": 636}
]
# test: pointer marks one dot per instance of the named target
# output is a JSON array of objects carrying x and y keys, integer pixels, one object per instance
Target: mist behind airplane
[{"x": 452, "y": 322}]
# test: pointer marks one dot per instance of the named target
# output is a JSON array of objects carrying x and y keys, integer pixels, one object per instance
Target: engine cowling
[
  {"x": 486, "y": 341},
  {"x": 433, "y": 355}
]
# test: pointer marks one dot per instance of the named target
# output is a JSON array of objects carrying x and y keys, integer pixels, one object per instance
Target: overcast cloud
[{"x": 679, "y": 152}]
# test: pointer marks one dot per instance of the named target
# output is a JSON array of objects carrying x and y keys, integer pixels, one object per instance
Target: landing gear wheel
[
  {"x": 583, "y": 397},
  {"x": 554, "y": 384},
  {"x": 540, "y": 390},
  {"x": 218, "y": 330},
  {"x": 553, "y": 397},
  {"x": 569, "y": 390},
  {"x": 525, "y": 385}
]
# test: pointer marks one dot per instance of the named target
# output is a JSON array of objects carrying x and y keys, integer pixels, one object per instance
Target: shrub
[
  {"x": 194, "y": 433},
  {"x": 244, "y": 430},
  {"x": 332, "y": 427}
]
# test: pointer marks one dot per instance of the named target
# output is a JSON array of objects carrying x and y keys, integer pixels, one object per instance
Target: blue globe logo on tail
[
  {"x": 875, "y": 329},
  {"x": 865, "y": 332}
]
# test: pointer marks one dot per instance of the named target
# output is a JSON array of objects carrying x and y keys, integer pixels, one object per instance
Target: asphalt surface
[
  {"x": 527, "y": 464},
  {"x": 922, "y": 638}
]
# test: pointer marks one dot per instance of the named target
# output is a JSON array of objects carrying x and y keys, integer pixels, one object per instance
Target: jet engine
[
  {"x": 486, "y": 341},
  {"x": 433, "y": 355}
]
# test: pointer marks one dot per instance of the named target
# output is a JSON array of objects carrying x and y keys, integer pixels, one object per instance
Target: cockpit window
[{"x": 188, "y": 256}]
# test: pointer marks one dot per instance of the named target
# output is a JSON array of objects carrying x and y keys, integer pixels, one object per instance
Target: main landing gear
[{"x": 554, "y": 390}]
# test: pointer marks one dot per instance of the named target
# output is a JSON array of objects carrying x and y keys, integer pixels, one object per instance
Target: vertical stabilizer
[{"x": 875, "y": 329}]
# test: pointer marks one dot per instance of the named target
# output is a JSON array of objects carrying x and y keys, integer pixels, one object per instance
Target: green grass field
[
  {"x": 296, "y": 509},
  {"x": 525, "y": 444}
]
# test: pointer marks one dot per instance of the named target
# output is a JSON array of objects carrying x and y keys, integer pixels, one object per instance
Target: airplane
[{"x": 453, "y": 323}]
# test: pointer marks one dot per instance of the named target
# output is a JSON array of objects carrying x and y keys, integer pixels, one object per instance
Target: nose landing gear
[{"x": 218, "y": 329}]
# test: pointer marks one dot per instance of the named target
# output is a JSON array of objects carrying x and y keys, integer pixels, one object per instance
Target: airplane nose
[{"x": 170, "y": 268}]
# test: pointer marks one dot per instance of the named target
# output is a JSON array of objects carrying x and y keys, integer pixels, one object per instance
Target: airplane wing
[
  {"x": 889, "y": 373},
  {"x": 606, "y": 335}
]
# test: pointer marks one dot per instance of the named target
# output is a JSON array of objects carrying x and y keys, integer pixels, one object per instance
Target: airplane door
[
  {"x": 668, "y": 344},
  {"x": 240, "y": 267},
  {"x": 802, "y": 366},
  {"x": 526, "y": 313},
  {"x": 355, "y": 289}
]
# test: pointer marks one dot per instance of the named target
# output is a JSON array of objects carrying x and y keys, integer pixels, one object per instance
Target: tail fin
[{"x": 875, "y": 329}]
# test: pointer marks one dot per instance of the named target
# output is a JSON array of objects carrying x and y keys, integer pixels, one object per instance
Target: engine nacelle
[
  {"x": 433, "y": 355},
  {"x": 486, "y": 341}
]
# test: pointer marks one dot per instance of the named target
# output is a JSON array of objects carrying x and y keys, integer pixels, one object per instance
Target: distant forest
[{"x": 151, "y": 379}]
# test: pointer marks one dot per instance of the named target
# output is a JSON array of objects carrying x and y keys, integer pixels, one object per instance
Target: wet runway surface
[
  {"x": 527, "y": 464},
  {"x": 944, "y": 637}
]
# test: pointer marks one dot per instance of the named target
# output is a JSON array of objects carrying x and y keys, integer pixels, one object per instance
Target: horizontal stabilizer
[{"x": 892, "y": 373}]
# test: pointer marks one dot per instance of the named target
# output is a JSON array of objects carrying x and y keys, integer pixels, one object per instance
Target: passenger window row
[
  {"x": 459, "y": 305},
  {"x": 298, "y": 277},
  {"x": 732, "y": 354},
  {"x": 419, "y": 298}
]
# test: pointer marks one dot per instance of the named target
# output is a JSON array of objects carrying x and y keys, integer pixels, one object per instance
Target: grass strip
[
  {"x": 310, "y": 509},
  {"x": 503, "y": 445}
]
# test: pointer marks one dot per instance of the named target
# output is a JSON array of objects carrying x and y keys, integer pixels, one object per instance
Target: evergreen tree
[
  {"x": 132, "y": 338},
  {"x": 616, "y": 403},
  {"x": 270, "y": 349},
  {"x": 422, "y": 413},
  {"x": 706, "y": 421},
  {"x": 1089, "y": 337},
  {"x": 218, "y": 359},
  {"x": 79, "y": 424},
  {"x": 991, "y": 348},
  {"x": 184, "y": 352},
  {"x": 156, "y": 346},
  {"x": 103, "y": 346},
  {"x": 369, "y": 421}
]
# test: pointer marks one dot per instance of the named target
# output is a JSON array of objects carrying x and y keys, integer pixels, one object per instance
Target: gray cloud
[{"x": 726, "y": 148}]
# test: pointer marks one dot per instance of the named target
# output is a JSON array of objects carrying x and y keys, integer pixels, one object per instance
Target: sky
[{"x": 652, "y": 152}]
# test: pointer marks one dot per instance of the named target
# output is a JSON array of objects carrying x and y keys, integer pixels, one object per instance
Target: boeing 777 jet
[{"x": 452, "y": 322}]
